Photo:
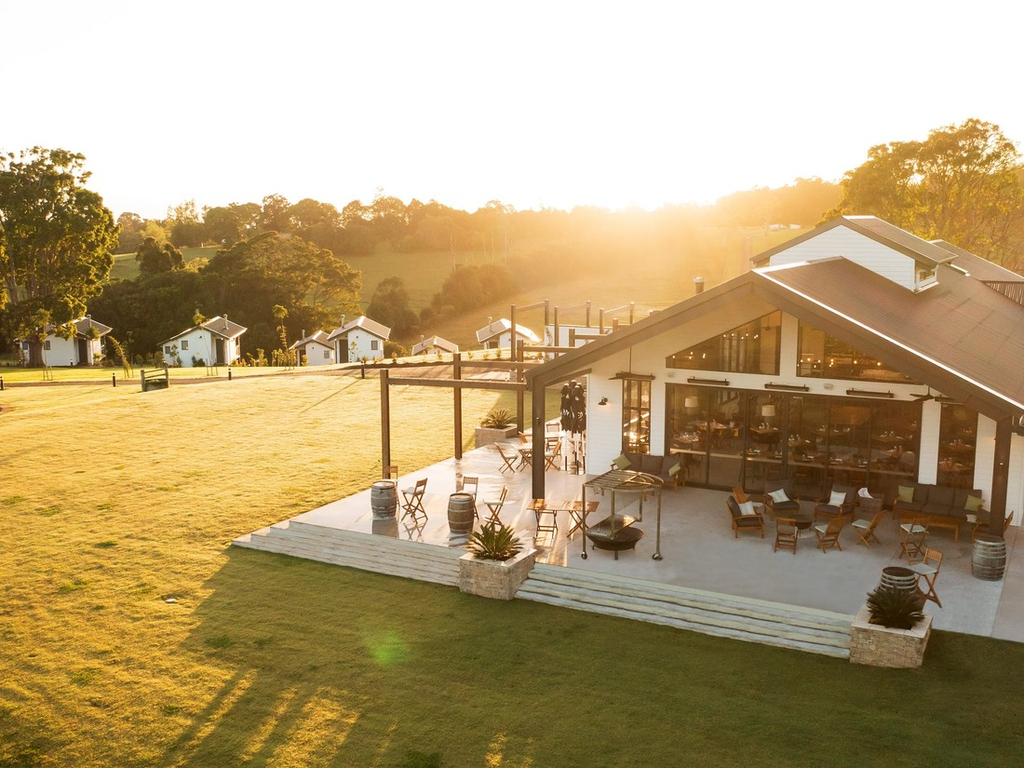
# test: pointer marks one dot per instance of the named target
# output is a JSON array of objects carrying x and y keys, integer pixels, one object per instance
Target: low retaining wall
[{"x": 878, "y": 646}]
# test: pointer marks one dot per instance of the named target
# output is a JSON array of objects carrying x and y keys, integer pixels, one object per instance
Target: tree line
[{"x": 964, "y": 183}]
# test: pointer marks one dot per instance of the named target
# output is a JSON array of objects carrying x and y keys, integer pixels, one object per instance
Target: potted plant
[
  {"x": 496, "y": 564},
  {"x": 498, "y": 424},
  {"x": 891, "y": 629}
]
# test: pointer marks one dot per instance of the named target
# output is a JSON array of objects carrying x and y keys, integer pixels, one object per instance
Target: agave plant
[
  {"x": 494, "y": 542},
  {"x": 895, "y": 608},
  {"x": 499, "y": 418}
]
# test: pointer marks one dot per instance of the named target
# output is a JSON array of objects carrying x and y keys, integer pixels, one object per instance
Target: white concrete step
[
  {"x": 380, "y": 554},
  {"x": 711, "y": 613}
]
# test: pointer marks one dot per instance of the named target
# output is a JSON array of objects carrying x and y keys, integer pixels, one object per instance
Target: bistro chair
[
  {"x": 509, "y": 456},
  {"x": 552, "y": 452},
  {"x": 471, "y": 485},
  {"x": 866, "y": 529},
  {"x": 413, "y": 501},
  {"x": 828, "y": 534},
  {"x": 982, "y": 526},
  {"x": 494, "y": 507},
  {"x": 913, "y": 534},
  {"x": 540, "y": 508},
  {"x": 927, "y": 572},
  {"x": 785, "y": 534},
  {"x": 389, "y": 472}
]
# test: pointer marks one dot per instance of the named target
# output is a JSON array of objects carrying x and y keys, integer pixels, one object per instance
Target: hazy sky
[{"x": 534, "y": 103}]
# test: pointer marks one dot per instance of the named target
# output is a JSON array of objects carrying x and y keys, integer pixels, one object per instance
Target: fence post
[
  {"x": 113, "y": 380},
  {"x": 1, "y": 383},
  {"x": 229, "y": 373}
]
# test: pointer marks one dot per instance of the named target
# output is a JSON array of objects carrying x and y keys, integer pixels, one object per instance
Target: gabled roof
[
  {"x": 498, "y": 327},
  {"x": 319, "y": 337},
  {"x": 218, "y": 326},
  {"x": 366, "y": 324},
  {"x": 977, "y": 267},
  {"x": 434, "y": 342},
  {"x": 872, "y": 227},
  {"x": 959, "y": 336},
  {"x": 83, "y": 325}
]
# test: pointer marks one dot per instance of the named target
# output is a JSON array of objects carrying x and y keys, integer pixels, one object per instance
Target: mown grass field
[{"x": 116, "y": 503}]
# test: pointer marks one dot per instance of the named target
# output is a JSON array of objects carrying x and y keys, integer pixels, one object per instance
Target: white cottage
[
  {"x": 497, "y": 334},
  {"x": 856, "y": 354},
  {"x": 434, "y": 344},
  {"x": 314, "y": 350},
  {"x": 214, "y": 342},
  {"x": 84, "y": 348},
  {"x": 361, "y": 338}
]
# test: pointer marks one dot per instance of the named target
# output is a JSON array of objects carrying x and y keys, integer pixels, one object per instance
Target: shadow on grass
[{"x": 322, "y": 665}]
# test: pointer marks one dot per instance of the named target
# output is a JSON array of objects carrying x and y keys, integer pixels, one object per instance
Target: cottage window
[
  {"x": 184, "y": 344},
  {"x": 24, "y": 345},
  {"x": 958, "y": 437},
  {"x": 167, "y": 349},
  {"x": 46, "y": 344},
  {"x": 636, "y": 416},
  {"x": 750, "y": 348},
  {"x": 327, "y": 354},
  {"x": 374, "y": 344}
]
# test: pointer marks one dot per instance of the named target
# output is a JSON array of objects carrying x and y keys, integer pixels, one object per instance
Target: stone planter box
[
  {"x": 879, "y": 646},
  {"x": 486, "y": 435},
  {"x": 496, "y": 579}
]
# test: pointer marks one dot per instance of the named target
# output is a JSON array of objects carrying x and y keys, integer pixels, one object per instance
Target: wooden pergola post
[
  {"x": 385, "y": 420},
  {"x": 457, "y": 394},
  {"x": 1000, "y": 476},
  {"x": 537, "y": 466}
]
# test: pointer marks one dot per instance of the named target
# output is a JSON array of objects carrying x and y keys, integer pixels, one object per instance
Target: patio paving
[{"x": 699, "y": 550}]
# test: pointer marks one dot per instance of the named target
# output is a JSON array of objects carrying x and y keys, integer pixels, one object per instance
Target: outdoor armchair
[
  {"x": 744, "y": 517},
  {"x": 839, "y": 502}
]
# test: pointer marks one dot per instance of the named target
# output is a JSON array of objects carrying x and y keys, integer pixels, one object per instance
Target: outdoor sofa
[
  {"x": 665, "y": 468},
  {"x": 939, "y": 505}
]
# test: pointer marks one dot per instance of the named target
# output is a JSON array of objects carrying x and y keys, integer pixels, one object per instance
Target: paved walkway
[{"x": 700, "y": 551}]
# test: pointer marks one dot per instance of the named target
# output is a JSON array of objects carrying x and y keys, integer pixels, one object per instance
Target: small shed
[
  {"x": 434, "y": 344},
  {"x": 314, "y": 349},
  {"x": 213, "y": 342},
  {"x": 497, "y": 334},
  {"x": 358, "y": 339}
]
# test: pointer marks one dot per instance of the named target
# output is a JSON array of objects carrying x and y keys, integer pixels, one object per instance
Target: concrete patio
[{"x": 699, "y": 550}]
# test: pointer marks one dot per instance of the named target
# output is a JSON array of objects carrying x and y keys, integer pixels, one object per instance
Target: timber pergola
[{"x": 766, "y": 289}]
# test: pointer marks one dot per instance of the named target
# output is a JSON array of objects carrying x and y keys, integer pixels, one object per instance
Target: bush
[
  {"x": 495, "y": 542},
  {"x": 499, "y": 418},
  {"x": 895, "y": 608},
  {"x": 198, "y": 362}
]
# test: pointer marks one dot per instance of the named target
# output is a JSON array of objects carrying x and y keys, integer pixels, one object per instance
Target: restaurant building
[{"x": 856, "y": 353}]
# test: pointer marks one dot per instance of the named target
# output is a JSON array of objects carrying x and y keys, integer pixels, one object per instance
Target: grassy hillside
[{"x": 126, "y": 268}]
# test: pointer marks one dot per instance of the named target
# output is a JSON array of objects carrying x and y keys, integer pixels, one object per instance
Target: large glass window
[
  {"x": 958, "y": 437},
  {"x": 636, "y": 416},
  {"x": 728, "y": 437},
  {"x": 826, "y": 357},
  {"x": 750, "y": 348}
]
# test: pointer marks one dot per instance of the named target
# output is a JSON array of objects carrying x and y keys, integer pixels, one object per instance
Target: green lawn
[{"x": 131, "y": 634}]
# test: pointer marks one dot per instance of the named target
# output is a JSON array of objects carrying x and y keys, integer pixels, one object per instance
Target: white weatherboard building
[
  {"x": 315, "y": 349},
  {"x": 84, "y": 348},
  {"x": 359, "y": 338},
  {"x": 856, "y": 354},
  {"x": 214, "y": 342},
  {"x": 434, "y": 344},
  {"x": 497, "y": 334}
]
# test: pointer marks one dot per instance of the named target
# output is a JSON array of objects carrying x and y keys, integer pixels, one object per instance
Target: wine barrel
[
  {"x": 898, "y": 577},
  {"x": 461, "y": 512},
  {"x": 988, "y": 560},
  {"x": 384, "y": 499}
]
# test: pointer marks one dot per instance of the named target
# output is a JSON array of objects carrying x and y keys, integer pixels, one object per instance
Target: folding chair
[
  {"x": 927, "y": 572},
  {"x": 828, "y": 534},
  {"x": 413, "y": 500},
  {"x": 785, "y": 534},
  {"x": 471, "y": 485},
  {"x": 494, "y": 507},
  {"x": 576, "y": 514},
  {"x": 389, "y": 472},
  {"x": 509, "y": 457},
  {"x": 913, "y": 534},
  {"x": 866, "y": 529},
  {"x": 552, "y": 452},
  {"x": 540, "y": 507}
]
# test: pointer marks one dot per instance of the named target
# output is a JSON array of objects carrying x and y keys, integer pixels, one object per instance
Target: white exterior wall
[
  {"x": 928, "y": 456},
  {"x": 984, "y": 458},
  {"x": 1015, "y": 484},
  {"x": 362, "y": 340},
  {"x": 314, "y": 353},
  {"x": 62, "y": 352},
  {"x": 855, "y": 247},
  {"x": 201, "y": 344}
]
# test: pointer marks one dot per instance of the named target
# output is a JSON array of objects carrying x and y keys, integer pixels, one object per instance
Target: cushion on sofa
[
  {"x": 905, "y": 494},
  {"x": 973, "y": 504},
  {"x": 941, "y": 495},
  {"x": 620, "y": 462},
  {"x": 921, "y": 493},
  {"x": 651, "y": 464}
]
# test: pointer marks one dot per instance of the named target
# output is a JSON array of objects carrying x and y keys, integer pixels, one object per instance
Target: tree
[
  {"x": 390, "y": 306},
  {"x": 55, "y": 243},
  {"x": 186, "y": 227},
  {"x": 274, "y": 215},
  {"x": 154, "y": 257},
  {"x": 961, "y": 184},
  {"x": 129, "y": 232}
]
